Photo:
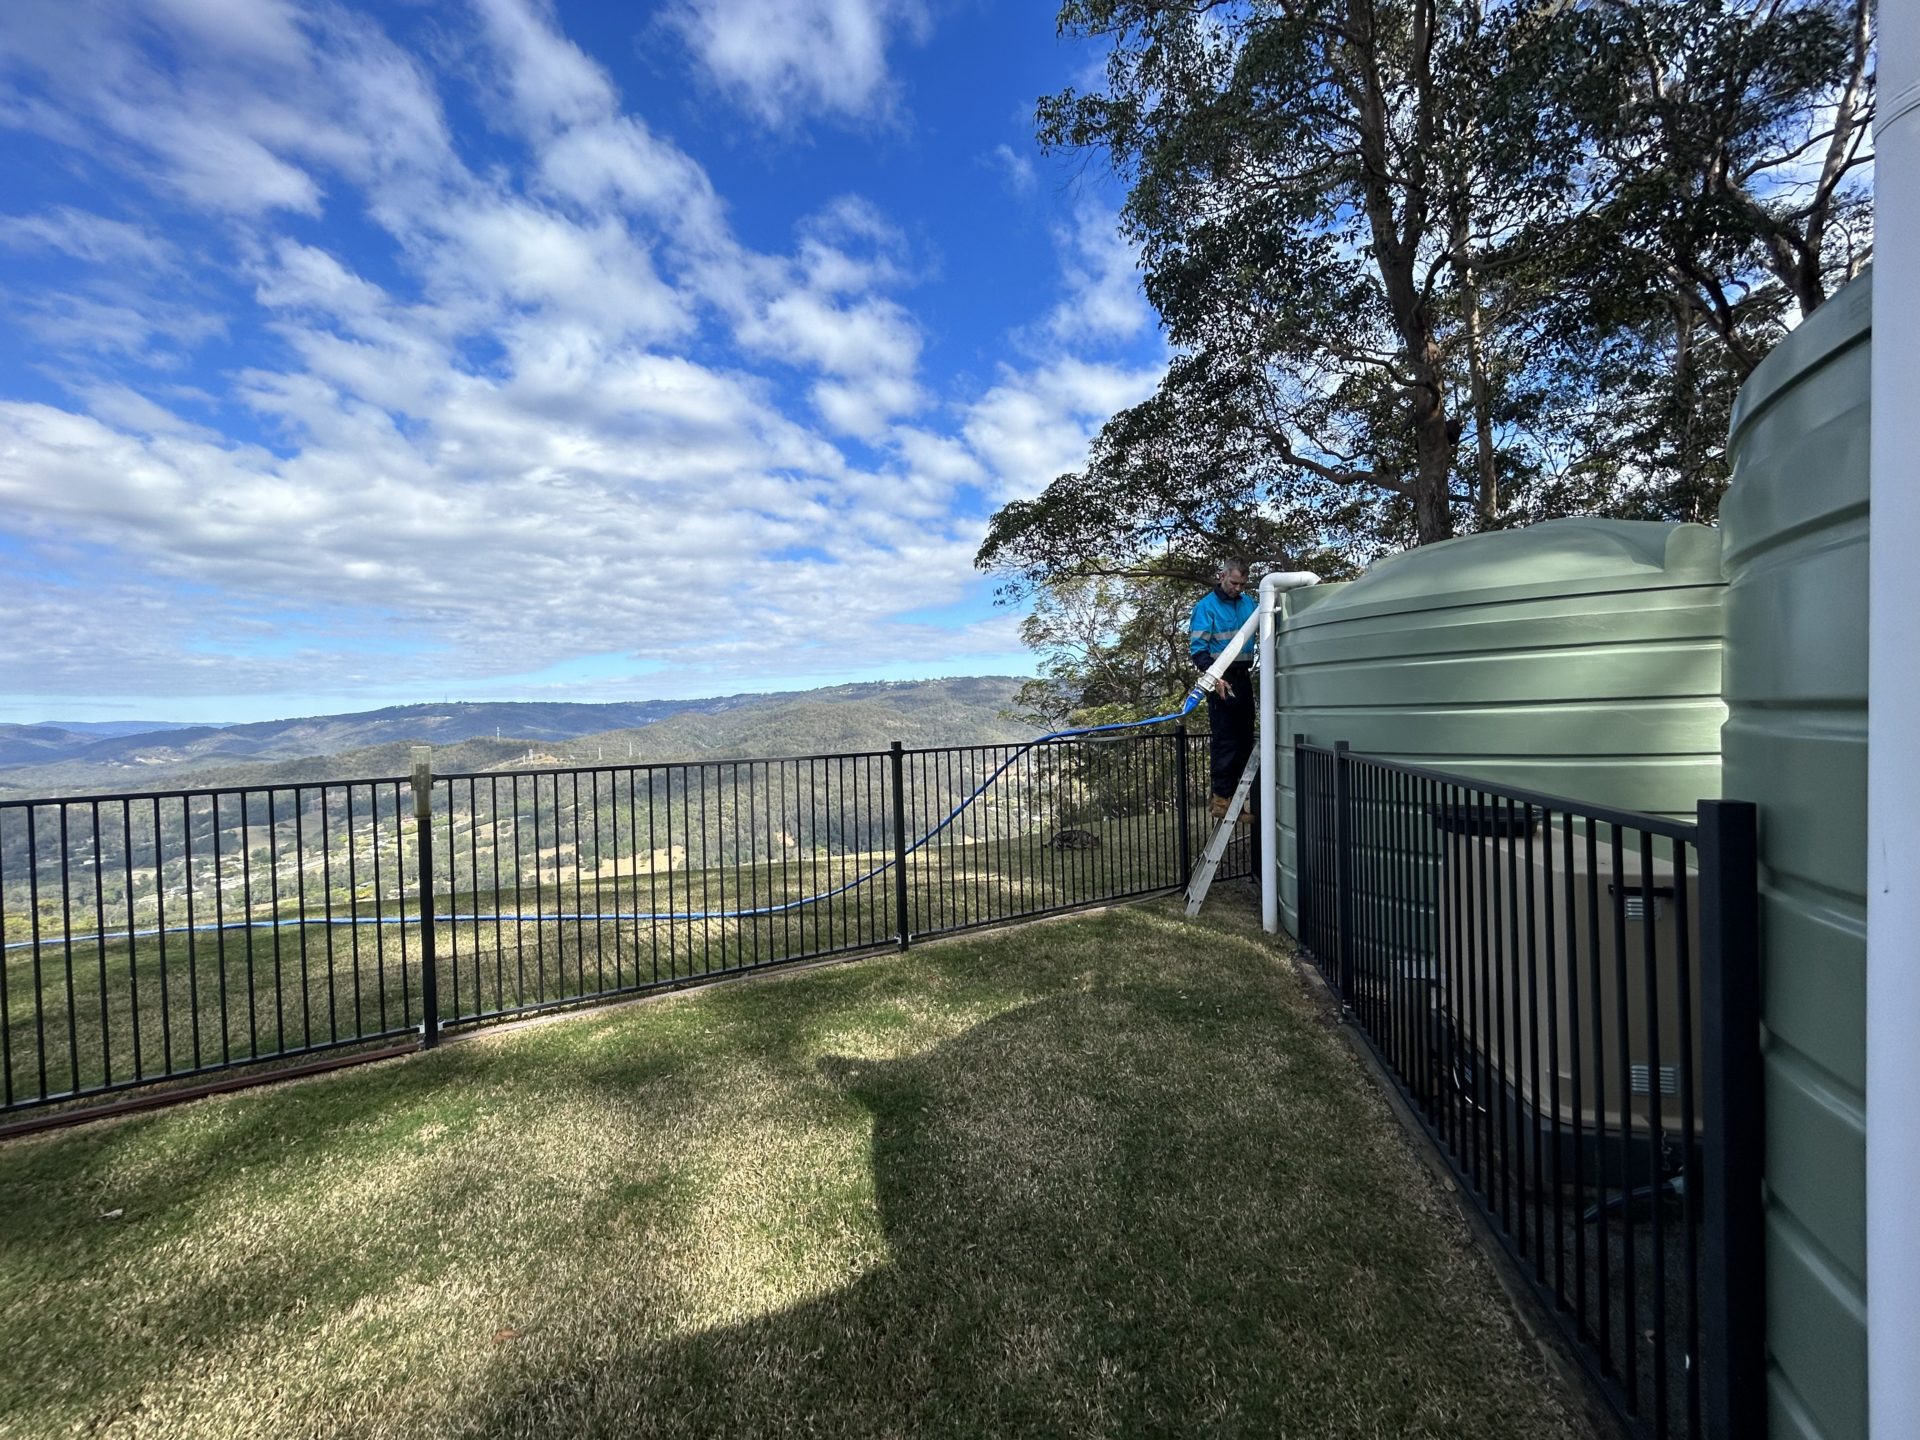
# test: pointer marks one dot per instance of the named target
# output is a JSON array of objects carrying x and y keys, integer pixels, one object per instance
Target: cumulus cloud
[
  {"x": 786, "y": 60},
  {"x": 1034, "y": 426},
  {"x": 82, "y": 235},
  {"x": 521, "y": 417},
  {"x": 1103, "y": 302}
]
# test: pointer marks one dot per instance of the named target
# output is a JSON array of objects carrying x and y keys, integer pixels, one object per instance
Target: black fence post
[
  {"x": 1342, "y": 873},
  {"x": 900, "y": 842},
  {"x": 1300, "y": 848},
  {"x": 423, "y": 849},
  {"x": 1182, "y": 806},
  {"x": 1733, "y": 1240}
]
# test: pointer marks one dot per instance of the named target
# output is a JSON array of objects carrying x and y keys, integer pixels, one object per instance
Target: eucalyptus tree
[
  {"x": 1301, "y": 185},
  {"x": 1433, "y": 264},
  {"x": 1712, "y": 168}
]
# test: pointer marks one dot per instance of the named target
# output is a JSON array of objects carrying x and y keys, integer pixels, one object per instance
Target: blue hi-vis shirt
[{"x": 1216, "y": 620}]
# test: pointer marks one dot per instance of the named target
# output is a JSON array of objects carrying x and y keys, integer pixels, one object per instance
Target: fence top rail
[
  {"x": 630, "y": 767},
  {"x": 214, "y": 792},
  {"x": 624, "y": 767},
  {"x": 1050, "y": 742},
  {"x": 1682, "y": 830}
]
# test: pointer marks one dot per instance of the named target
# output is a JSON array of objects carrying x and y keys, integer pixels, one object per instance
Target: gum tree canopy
[{"x": 1428, "y": 265}]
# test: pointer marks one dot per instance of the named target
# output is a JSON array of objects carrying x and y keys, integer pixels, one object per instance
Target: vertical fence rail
[
  {"x": 896, "y": 768},
  {"x": 1567, "y": 996},
  {"x": 425, "y": 887}
]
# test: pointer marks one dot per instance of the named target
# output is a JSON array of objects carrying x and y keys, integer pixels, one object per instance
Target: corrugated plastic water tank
[
  {"x": 1575, "y": 657},
  {"x": 1795, "y": 526}
]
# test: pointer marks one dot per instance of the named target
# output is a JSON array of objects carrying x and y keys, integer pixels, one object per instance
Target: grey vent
[
  {"x": 1669, "y": 1078},
  {"x": 1637, "y": 905}
]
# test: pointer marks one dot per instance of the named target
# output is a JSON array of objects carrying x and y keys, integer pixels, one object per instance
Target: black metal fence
[
  {"x": 162, "y": 936},
  {"x": 1568, "y": 999}
]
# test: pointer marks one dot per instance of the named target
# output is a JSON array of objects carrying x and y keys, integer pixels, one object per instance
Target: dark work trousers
[{"x": 1232, "y": 722}]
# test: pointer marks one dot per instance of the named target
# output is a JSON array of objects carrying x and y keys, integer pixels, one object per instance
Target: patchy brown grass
[{"x": 1092, "y": 1177}]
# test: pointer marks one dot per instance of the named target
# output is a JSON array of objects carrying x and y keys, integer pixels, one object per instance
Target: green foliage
[
  {"x": 1704, "y": 173},
  {"x": 1110, "y": 649},
  {"x": 1435, "y": 264}
]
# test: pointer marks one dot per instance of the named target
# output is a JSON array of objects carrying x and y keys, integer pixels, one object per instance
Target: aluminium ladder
[{"x": 1217, "y": 847}]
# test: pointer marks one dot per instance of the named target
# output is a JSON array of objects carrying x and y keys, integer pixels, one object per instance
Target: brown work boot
[{"x": 1217, "y": 808}]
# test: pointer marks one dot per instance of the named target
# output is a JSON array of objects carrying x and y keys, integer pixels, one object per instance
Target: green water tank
[
  {"x": 1575, "y": 657},
  {"x": 1795, "y": 527}
]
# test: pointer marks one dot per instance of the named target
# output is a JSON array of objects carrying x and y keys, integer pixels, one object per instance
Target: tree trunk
[
  {"x": 1489, "y": 489},
  {"x": 1432, "y": 512}
]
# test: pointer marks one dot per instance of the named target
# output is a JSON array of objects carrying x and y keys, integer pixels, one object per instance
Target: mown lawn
[{"x": 1109, "y": 1175}]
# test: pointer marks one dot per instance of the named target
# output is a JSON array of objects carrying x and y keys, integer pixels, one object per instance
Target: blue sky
[{"x": 359, "y": 354}]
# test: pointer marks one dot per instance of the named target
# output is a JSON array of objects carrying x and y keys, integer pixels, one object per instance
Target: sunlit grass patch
[{"x": 1098, "y": 1176}]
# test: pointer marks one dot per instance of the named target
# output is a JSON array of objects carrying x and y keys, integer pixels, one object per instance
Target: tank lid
[
  {"x": 1845, "y": 319},
  {"x": 1556, "y": 557}
]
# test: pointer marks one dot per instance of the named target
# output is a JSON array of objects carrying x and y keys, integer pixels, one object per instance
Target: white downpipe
[
  {"x": 1271, "y": 588},
  {"x": 1893, "y": 751}
]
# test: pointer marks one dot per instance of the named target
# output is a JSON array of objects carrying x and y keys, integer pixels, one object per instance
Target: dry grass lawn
[{"x": 1102, "y": 1176}]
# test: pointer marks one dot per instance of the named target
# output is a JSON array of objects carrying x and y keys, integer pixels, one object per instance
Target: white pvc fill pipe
[{"x": 1271, "y": 588}]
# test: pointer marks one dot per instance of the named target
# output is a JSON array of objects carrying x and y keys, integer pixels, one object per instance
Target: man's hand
[{"x": 1222, "y": 688}]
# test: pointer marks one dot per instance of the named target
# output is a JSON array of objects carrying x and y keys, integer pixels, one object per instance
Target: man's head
[{"x": 1232, "y": 578}]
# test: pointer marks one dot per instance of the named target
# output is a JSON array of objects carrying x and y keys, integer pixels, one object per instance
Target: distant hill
[
  {"x": 966, "y": 711},
  {"x": 54, "y": 740},
  {"x": 101, "y": 729},
  {"x": 170, "y": 747}
]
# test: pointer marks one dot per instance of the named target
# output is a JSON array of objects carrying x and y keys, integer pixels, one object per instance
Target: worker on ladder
[{"x": 1217, "y": 618}]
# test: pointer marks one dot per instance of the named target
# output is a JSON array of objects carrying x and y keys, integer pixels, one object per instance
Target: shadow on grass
[
  {"x": 1155, "y": 1201},
  {"x": 1126, "y": 1210}
]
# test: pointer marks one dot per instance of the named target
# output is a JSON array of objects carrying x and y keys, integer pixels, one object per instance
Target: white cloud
[
  {"x": 1017, "y": 168},
  {"x": 867, "y": 337},
  {"x": 531, "y": 256},
  {"x": 82, "y": 235},
  {"x": 938, "y": 456},
  {"x": 212, "y": 163},
  {"x": 865, "y": 409},
  {"x": 553, "y": 84},
  {"x": 619, "y": 162},
  {"x": 229, "y": 105},
  {"x": 784, "y": 60},
  {"x": 520, "y": 424},
  {"x": 264, "y": 30},
  {"x": 127, "y": 409},
  {"x": 1033, "y": 427},
  {"x": 1104, "y": 302},
  {"x": 114, "y": 320},
  {"x": 304, "y": 277}
]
